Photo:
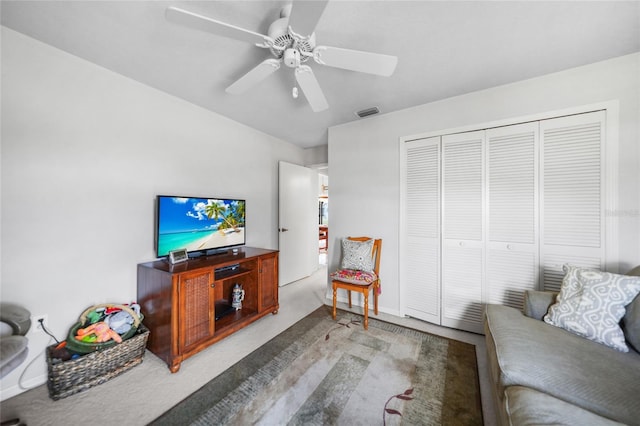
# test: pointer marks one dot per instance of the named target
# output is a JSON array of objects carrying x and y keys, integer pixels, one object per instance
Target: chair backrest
[{"x": 375, "y": 253}]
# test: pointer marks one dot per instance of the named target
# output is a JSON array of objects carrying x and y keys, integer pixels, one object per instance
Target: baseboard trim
[
  {"x": 17, "y": 389},
  {"x": 343, "y": 303}
]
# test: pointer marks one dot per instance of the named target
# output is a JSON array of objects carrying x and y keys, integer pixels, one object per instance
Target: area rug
[{"x": 326, "y": 372}]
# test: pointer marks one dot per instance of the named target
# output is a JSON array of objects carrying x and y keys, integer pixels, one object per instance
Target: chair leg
[
  {"x": 349, "y": 291},
  {"x": 335, "y": 300},
  {"x": 375, "y": 299},
  {"x": 366, "y": 309}
]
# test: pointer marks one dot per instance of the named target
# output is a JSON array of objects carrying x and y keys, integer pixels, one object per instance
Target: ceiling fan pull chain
[{"x": 294, "y": 90}]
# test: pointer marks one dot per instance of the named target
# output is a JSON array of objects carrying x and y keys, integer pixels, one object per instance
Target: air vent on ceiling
[{"x": 367, "y": 112}]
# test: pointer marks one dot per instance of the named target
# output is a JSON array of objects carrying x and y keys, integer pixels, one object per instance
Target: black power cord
[{"x": 41, "y": 321}]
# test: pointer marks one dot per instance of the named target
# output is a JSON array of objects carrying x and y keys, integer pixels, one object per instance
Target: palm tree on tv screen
[{"x": 232, "y": 215}]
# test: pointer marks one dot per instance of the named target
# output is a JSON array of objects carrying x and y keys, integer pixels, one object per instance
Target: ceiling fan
[{"x": 291, "y": 40}]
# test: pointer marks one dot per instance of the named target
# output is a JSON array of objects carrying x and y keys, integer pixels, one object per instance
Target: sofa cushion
[
  {"x": 537, "y": 303},
  {"x": 551, "y": 360},
  {"x": 631, "y": 320},
  {"x": 591, "y": 304},
  {"x": 631, "y": 324},
  {"x": 526, "y": 406}
]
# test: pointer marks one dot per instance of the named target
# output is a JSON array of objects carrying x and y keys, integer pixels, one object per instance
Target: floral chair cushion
[{"x": 353, "y": 276}]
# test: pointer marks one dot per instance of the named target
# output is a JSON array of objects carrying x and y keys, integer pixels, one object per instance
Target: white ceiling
[{"x": 444, "y": 49}]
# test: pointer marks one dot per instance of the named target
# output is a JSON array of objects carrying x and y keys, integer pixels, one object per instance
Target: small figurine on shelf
[{"x": 237, "y": 296}]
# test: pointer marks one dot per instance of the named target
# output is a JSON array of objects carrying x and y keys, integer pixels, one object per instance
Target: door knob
[{"x": 283, "y": 229}]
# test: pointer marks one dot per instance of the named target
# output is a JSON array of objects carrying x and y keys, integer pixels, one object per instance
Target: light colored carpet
[
  {"x": 322, "y": 372},
  {"x": 148, "y": 390}
]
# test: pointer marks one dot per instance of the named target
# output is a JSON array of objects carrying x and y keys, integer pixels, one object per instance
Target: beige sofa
[{"x": 542, "y": 374}]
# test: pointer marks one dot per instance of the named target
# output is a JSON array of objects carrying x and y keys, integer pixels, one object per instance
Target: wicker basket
[
  {"x": 77, "y": 375},
  {"x": 80, "y": 347}
]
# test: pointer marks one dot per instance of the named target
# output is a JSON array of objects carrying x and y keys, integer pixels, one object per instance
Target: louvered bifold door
[
  {"x": 512, "y": 213},
  {"x": 420, "y": 229},
  {"x": 572, "y": 222},
  {"x": 463, "y": 230}
]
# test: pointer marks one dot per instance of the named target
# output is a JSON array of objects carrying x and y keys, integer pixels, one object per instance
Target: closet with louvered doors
[{"x": 507, "y": 206}]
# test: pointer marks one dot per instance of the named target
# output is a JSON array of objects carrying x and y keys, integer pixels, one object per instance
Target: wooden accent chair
[{"x": 360, "y": 281}]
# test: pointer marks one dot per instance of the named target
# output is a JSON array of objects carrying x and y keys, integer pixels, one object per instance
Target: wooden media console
[{"x": 182, "y": 303}]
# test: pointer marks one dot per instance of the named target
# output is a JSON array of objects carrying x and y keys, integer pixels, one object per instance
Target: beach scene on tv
[{"x": 199, "y": 223}]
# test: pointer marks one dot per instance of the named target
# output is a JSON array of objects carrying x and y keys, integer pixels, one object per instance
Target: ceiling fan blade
[
  {"x": 356, "y": 60},
  {"x": 305, "y": 16},
  {"x": 199, "y": 22},
  {"x": 311, "y": 89},
  {"x": 255, "y": 76}
]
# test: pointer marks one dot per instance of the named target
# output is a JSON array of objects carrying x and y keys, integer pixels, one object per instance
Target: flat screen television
[{"x": 199, "y": 225}]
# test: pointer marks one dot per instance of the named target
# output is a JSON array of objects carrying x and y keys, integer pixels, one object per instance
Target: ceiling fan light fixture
[
  {"x": 367, "y": 112},
  {"x": 292, "y": 58}
]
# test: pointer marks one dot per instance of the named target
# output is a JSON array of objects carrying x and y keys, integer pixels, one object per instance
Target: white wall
[
  {"x": 316, "y": 156},
  {"x": 84, "y": 153},
  {"x": 364, "y": 155}
]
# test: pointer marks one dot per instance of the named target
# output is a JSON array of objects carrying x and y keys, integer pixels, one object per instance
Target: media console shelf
[{"x": 179, "y": 301}]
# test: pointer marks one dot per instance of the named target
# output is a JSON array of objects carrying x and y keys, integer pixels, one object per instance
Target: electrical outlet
[{"x": 36, "y": 322}]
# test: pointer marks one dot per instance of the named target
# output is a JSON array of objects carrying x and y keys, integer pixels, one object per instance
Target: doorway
[{"x": 323, "y": 215}]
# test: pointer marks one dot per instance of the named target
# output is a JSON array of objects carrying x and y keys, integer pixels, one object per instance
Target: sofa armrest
[
  {"x": 536, "y": 303},
  {"x": 635, "y": 272}
]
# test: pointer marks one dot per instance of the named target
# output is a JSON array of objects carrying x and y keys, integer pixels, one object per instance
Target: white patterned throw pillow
[
  {"x": 356, "y": 255},
  {"x": 591, "y": 304}
]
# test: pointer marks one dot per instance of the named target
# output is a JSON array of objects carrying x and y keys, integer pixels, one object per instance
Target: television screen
[{"x": 198, "y": 224}]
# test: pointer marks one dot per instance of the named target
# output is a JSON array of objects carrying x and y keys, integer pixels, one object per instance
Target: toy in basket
[
  {"x": 99, "y": 361},
  {"x": 103, "y": 326}
]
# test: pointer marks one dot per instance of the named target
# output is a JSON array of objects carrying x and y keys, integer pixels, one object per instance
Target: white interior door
[{"x": 298, "y": 222}]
